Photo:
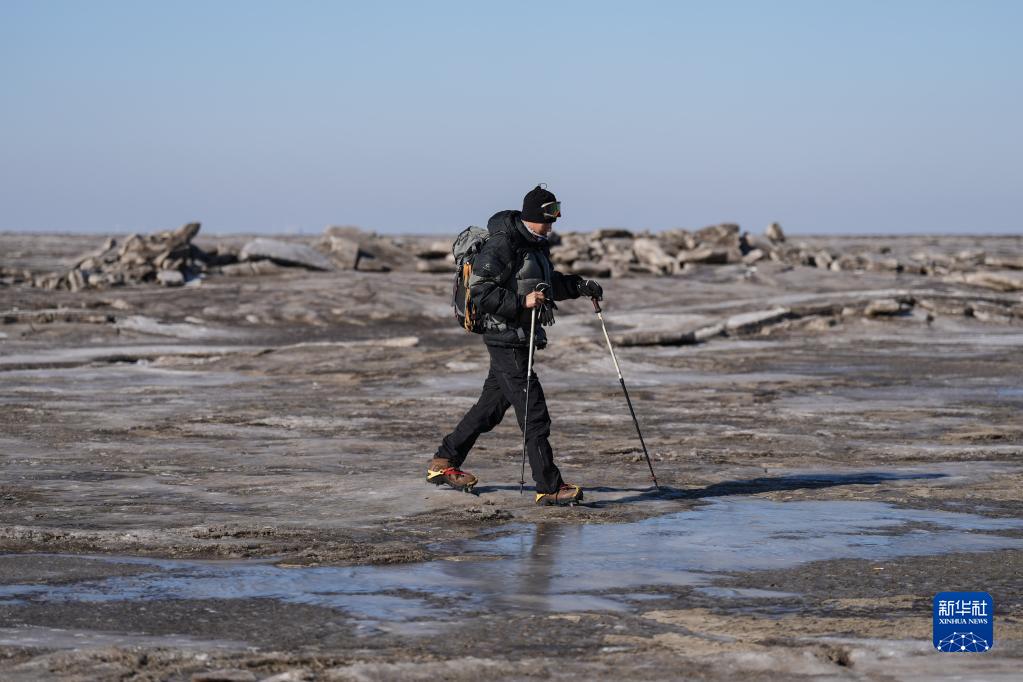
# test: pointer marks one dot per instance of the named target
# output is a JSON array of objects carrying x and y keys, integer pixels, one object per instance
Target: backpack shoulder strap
[{"x": 513, "y": 262}]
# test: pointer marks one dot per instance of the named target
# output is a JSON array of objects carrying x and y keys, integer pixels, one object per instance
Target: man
[{"x": 504, "y": 287}]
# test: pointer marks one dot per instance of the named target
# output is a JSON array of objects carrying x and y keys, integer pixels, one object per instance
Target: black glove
[
  {"x": 545, "y": 315},
  {"x": 591, "y": 289}
]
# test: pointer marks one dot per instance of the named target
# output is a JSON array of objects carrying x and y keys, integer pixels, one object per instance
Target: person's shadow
[
  {"x": 761, "y": 484},
  {"x": 751, "y": 486}
]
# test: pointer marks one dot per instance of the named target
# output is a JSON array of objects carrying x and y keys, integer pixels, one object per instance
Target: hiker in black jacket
[{"x": 506, "y": 272}]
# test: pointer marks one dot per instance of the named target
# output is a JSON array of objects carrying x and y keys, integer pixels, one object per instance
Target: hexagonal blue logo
[{"x": 964, "y": 622}]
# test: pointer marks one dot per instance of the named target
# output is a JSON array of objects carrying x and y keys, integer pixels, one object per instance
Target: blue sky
[{"x": 860, "y": 116}]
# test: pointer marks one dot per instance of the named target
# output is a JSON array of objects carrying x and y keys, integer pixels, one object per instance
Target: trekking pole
[
  {"x": 529, "y": 374},
  {"x": 596, "y": 309}
]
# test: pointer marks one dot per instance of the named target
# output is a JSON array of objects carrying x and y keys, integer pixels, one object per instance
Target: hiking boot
[
  {"x": 566, "y": 495},
  {"x": 441, "y": 472}
]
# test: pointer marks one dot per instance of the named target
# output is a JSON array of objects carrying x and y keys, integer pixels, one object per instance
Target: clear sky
[{"x": 828, "y": 116}]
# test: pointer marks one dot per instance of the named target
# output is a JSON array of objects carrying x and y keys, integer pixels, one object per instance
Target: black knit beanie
[{"x": 532, "y": 205}]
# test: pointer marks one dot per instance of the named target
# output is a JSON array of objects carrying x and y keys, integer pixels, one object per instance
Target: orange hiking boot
[
  {"x": 566, "y": 495},
  {"x": 441, "y": 472}
]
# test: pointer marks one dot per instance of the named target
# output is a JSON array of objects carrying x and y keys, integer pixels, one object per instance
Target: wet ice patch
[
  {"x": 61, "y": 638},
  {"x": 743, "y": 592},
  {"x": 566, "y": 567}
]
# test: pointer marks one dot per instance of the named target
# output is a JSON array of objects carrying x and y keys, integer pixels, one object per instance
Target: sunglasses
[{"x": 552, "y": 209}]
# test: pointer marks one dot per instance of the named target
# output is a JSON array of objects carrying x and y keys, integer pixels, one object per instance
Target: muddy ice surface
[{"x": 225, "y": 481}]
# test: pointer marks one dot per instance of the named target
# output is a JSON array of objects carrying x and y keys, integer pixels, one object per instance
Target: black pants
[{"x": 506, "y": 386}]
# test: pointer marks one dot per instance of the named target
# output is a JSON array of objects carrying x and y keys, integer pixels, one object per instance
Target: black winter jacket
[{"x": 497, "y": 285}]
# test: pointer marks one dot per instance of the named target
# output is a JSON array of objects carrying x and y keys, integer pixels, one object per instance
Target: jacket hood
[
  {"x": 510, "y": 222},
  {"x": 503, "y": 221}
]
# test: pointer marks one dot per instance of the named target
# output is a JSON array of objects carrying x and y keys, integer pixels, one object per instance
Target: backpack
[{"x": 467, "y": 244}]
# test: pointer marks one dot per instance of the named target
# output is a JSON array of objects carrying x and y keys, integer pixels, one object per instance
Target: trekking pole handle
[
  {"x": 596, "y": 306},
  {"x": 542, "y": 287}
]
